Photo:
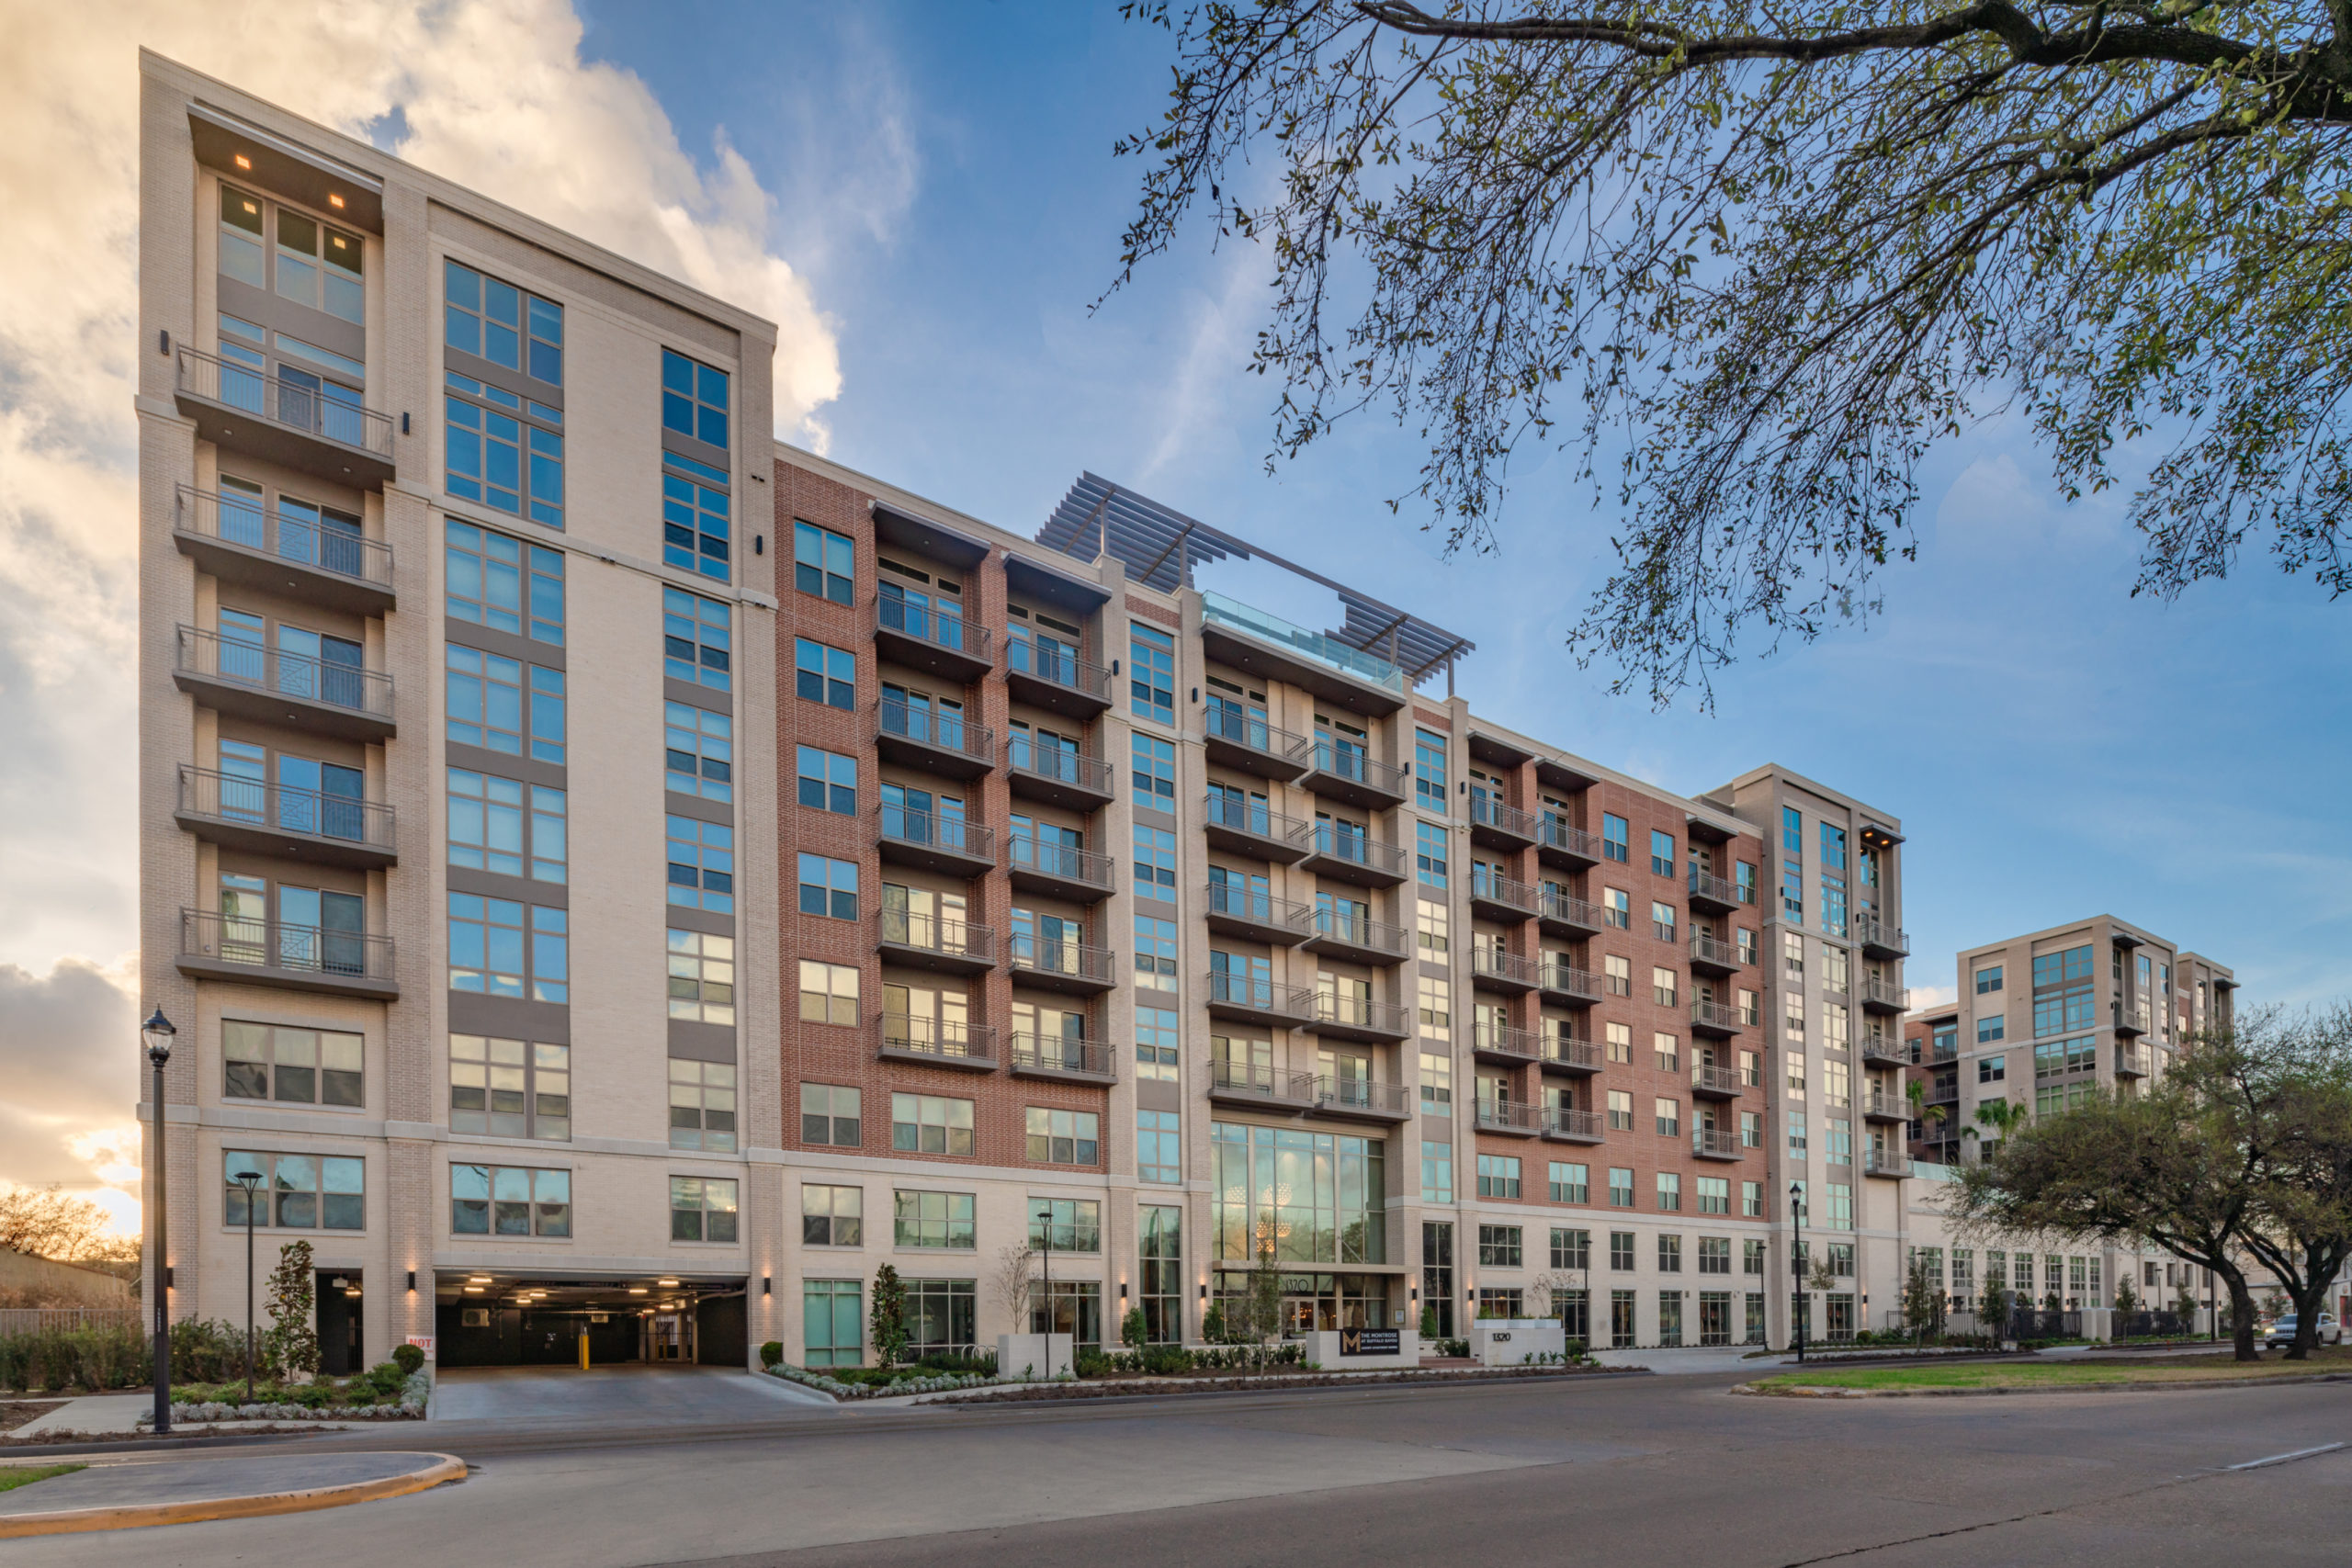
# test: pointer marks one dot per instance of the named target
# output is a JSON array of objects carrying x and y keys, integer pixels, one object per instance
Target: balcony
[
  {"x": 1565, "y": 1125},
  {"x": 1886, "y": 1163},
  {"x": 1360, "y": 1100},
  {"x": 1063, "y": 871},
  {"x": 293, "y": 553},
  {"x": 1879, "y": 1106},
  {"x": 1052, "y": 965},
  {"x": 1716, "y": 1143},
  {"x": 1354, "y": 857},
  {"x": 1710, "y": 1082},
  {"x": 936, "y": 1042},
  {"x": 1941, "y": 1093},
  {"x": 2132, "y": 1062},
  {"x": 1069, "y": 1061},
  {"x": 1714, "y": 896},
  {"x": 1886, "y": 1053},
  {"x": 1237, "y": 910},
  {"x": 1495, "y": 896},
  {"x": 274, "y": 820},
  {"x": 1564, "y": 1053},
  {"x": 1260, "y": 1087},
  {"x": 955, "y": 845},
  {"x": 1346, "y": 773},
  {"x": 1068, "y": 779},
  {"x": 1245, "y": 827},
  {"x": 314, "y": 426},
  {"x": 2128, "y": 1023},
  {"x": 1878, "y": 996},
  {"x": 1500, "y": 969},
  {"x": 926, "y": 638},
  {"x": 926, "y": 942},
  {"x": 1512, "y": 1118},
  {"x": 295, "y": 958},
  {"x": 1560, "y": 914},
  {"x": 1713, "y": 955},
  {"x": 272, "y": 686},
  {"x": 1251, "y": 745},
  {"x": 1565, "y": 983},
  {"x": 1274, "y": 649},
  {"x": 1243, "y": 1000},
  {"x": 1715, "y": 1018},
  {"x": 1342, "y": 933},
  {"x": 1498, "y": 826},
  {"x": 1054, "y": 679},
  {"x": 1342, "y": 1016},
  {"x": 938, "y": 741},
  {"x": 1880, "y": 940},
  {"x": 1557, "y": 842},
  {"x": 1500, "y": 1044}
]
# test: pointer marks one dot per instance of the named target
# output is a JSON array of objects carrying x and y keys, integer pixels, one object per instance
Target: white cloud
[{"x": 69, "y": 1057}]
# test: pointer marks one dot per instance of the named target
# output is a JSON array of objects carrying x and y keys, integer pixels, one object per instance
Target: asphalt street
[{"x": 1625, "y": 1471}]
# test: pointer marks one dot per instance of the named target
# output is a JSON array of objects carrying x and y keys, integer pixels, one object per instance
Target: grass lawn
[
  {"x": 2066, "y": 1374},
  {"x": 14, "y": 1476}
]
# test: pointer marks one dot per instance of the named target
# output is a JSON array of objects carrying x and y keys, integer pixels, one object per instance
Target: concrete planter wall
[
  {"x": 1510, "y": 1341},
  {"x": 1327, "y": 1347},
  {"x": 1045, "y": 1355}
]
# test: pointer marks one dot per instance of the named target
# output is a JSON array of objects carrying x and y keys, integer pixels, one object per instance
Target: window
[
  {"x": 1431, "y": 928},
  {"x": 1620, "y": 1252},
  {"x": 297, "y": 1192},
  {"x": 828, "y": 887},
  {"x": 696, "y": 507},
  {"x": 1570, "y": 1184},
  {"x": 1664, "y": 987},
  {"x": 1662, "y": 920},
  {"x": 1751, "y": 1129},
  {"x": 1792, "y": 1014},
  {"x": 1750, "y": 1011},
  {"x": 1429, "y": 771},
  {"x": 832, "y": 1216},
  {"x": 1571, "y": 1249},
  {"x": 1992, "y": 1070},
  {"x": 295, "y": 1066},
  {"x": 1498, "y": 1175},
  {"x": 696, "y": 646},
  {"x": 828, "y": 781},
  {"x": 1669, "y": 1190},
  {"x": 1155, "y": 862},
  {"x": 1498, "y": 1246},
  {"x": 702, "y": 867},
  {"x": 1161, "y": 1251},
  {"x": 1620, "y": 1038},
  {"x": 1617, "y": 908},
  {"x": 1066, "y": 1225},
  {"x": 502, "y": 450},
  {"x": 1151, "y": 673},
  {"x": 1751, "y": 1256},
  {"x": 1836, "y": 1081},
  {"x": 1714, "y": 1195},
  {"x": 1661, "y": 853},
  {"x": 1797, "y": 1133},
  {"x": 1991, "y": 1027},
  {"x": 503, "y": 583},
  {"x": 834, "y": 1323},
  {"x": 1155, "y": 1042},
  {"x": 702, "y": 1208},
  {"x": 699, "y": 751},
  {"x": 510, "y": 1088},
  {"x": 499, "y": 323},
  {"x": 1669, "y": 1118},
  {"x": 508, "y": 1200},
  {"x": 1435, "y": 1009},
  {"x": 490, "y": 829},
  {"x": 702, "y": 1105},
  {"x": 1669, "y": 1253},
  {"x": 821, "y": 674},
  {"x": 1437, "y": 1082},
  {"x": 1988, "y": 980},
  {"x": 941, "y": 1315},
  {"x": 930, "y": 1124},
  {"x": 1158, "y": 1149},
  {"x": 1751, "y": 1204},
  {"x": 823, "y": 563},
  {"x": 1429, "y": 854},
  {"x": 931, "y": 1219},
  {"x": 1155, "y": 771},
  {"x": 1437, "y": 1171},
  {"x": 1614, "y": 837},
  {"x": 1497, "y": 1300},
  {"x": 488, "y": 943},
  {"x": 829, "y": 1114},
  {"x": 1620, "y": 1110},
  {"x": 693, "y": 398},
  {"x": 486, "y": 694},
  {"x": 1840, "y": 1216},
  {"x": 2062, "y": 992},
  {"x": 1063, "y": 1137},
  {"x": 1621, "y": 1187},
  {"x": 702, "y": 979},
  {"x": 1666, "y": 1052}
]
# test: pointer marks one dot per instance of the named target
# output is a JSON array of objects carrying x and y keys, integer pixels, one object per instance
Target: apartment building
[{"x": 452, "y": 531}]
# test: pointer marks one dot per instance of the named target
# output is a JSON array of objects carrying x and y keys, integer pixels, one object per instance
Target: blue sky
[{"x": 2055, "y": 747}]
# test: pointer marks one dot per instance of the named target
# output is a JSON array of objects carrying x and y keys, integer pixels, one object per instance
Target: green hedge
[{"x": 96, "y": 1358}]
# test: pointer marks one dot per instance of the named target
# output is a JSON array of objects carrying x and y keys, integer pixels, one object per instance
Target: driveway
[{"x": 633, "y": 1395}]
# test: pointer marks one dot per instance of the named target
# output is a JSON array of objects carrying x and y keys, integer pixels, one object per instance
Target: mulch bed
[{"x": 15, "y": 1413}]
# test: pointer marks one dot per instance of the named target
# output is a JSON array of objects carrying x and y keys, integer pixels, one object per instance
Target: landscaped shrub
[
  {"x": 409, "y": 1359},
  {"x": 771, "y": 1352},
  {"x": 89, "y": 1359}
]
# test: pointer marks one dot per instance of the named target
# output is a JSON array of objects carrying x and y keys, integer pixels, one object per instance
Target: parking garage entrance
[{"x": 494, "y": 1318}]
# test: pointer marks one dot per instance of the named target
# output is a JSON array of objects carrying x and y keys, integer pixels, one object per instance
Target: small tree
[
  {"x": 1132, "y": 1332},
  {"x": 888, "y": 1315},
  {"x": 1014, "y": 1284},
  {"x": 1429, "y": 1321},
  {"x": 1265, "y": 1302},
  {"x": 1923, "y": 1297},
  {"x": 290, "y": 1347},
  {"x": 2126, "y": 1298},
  {"x": 1992, "y": 1307}
]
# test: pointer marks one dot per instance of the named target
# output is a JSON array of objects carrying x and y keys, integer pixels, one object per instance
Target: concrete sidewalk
[
  {"x": 94, "y": 1412},
  {"x": 122, "y": 1493}
]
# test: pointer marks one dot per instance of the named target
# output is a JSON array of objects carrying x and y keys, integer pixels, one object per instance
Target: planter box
[
  {"x": 1350, "y": 1351},
  {"x": 1047, "y": 1355},
  {"x": 2098, "y": 1323},
  {"x": 1509, "y": 1341}
]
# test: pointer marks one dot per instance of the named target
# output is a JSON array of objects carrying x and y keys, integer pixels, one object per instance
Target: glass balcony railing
[{"x": 1352, "y": 662}]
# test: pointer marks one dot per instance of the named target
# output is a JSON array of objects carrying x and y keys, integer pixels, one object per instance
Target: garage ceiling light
[
  {"x": 473, "y": 1290},
  {"x": 666, "y": 1284},
  {"x": 637, "y": 1290}
]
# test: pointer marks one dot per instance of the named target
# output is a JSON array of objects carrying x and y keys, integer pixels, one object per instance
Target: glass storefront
[
  {"x": 1312, "y": 1302},
  {"x": 1298, "y": 1197}
]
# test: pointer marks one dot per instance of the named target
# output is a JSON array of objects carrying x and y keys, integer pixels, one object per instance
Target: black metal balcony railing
[
  {"x": 948, "y": 1040},
  {"x": 1361, "y": 1013},
  {"x": 1883, "y": 936},
  {"x": 1717, "y": 889},
  {"x": 1885, "y": 1162},
  {"x": 1334, "y": 1091},
  {"x": 1347, "y": 926},
  {"x": 313, "y": 407},
  {"x": 1353, "y": 766},
  {"x": 1708, "y": 948},
  {"x": 1556, "y": 832},
  {"x": 1255, "y": 734},
  {"x": 1493, "y": 887},
  {"x": 1501, "y": 964},
  {"x": 1569, "y": 981},
  {"x": 1243, "y": 814},
  {"x": 1258, "y": 1080},
  {"x": 1566, "y": 1121},
  {"x": 1889, "y": 1052},
  {"x": 940, "y": 627},
  {"x": 1066, "y": 862},
  {"x": 1075, "y": 960},
  {"x": 1705, "y": 1014},
  {"x": 945, "y": 728},
  {"x": 1715, "y": 1142},
  {"x": 1238, "y": 901},
  {"x": 930, "y": 829},
  {"x": 1051, "y": 762},
  {"x": 930, "y": 933},
  {"x": 1057, "y": 666},
  {"x": 1510, "y": 1116},
  {"x": 1502, "y": 1040},
  {"x": 1053, "y": 1054},
  {"x": 1716, "y": 1080},
  {"x": 274, "y": 944},
  {"x": 229, "y": 797},
  {"x": 1571, "y": 1051},
  {"x": 1271, "y": 997},
  {"x": 1358, "y": 849},
  {"x": 209, "y": 655},
  {"x": 1570, "y": 910},
  {"x": 1877, "y": 990},
  {"x": 1488, "y": 811},
  {"x": 303, "y": 538}
]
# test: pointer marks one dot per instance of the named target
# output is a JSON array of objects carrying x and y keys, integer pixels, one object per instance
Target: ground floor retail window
[
  {"x": 833, "y": 1327},
  {"x": 941, "y": 1315},
  {"x": 1496, "y": 1301},
  {"x": 1575, "y": 1309},
  {"x": 1437, "y": 1274},
  {"x": 1073, "y": 1307},
  {"x": 1162, "y": 1286},
  {"x": 1669, "y": 1318},
  {"x": 1313, "y": 1302},
  {"x": 1621, "y": 1320},
  {"x": 1755, "y": 1317},
  {"x": 1841, "y": 1315},
  {"x": 1714, "y": 1317}
]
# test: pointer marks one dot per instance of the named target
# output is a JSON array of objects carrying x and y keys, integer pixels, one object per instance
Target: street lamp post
[
  {"x": 1046, "y": 1215},
  {"x": 1796, "y": 1262},
  {"x": 159, "y": 1034},
  {"x": 249, "y": 1179}
]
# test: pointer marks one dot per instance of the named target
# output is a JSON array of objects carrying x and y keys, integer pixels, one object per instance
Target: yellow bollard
[{"x": 583, "y": 1350}]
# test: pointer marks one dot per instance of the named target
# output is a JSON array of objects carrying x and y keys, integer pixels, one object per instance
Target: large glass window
[
  {"x": 488, "y": 697},
  {"x": 823, "y": 563},
  {"x": 503, "y": 451},
  {"x": 702, "y": 866},
  {"x": 698, "y": 756},
  {"x": 829, "y": 1114},
  {"x": 1151, "y": 673},
  {"x": 1498, "y": 1175},
  {"x": 695, "y": 643},
  {"x": 1429, "y": 771},
  {"x": 501, "y": 947},
  {"x": 503, "y": 583},
  {"x": 296, "y": 1066},
  {"x": 1160, "y": 1243},
  {"x": 702, "y": 1105},
  {"x": 693, "y": 398},
  {"x": 930, "y": 1124},
  {"x": 1156, "y": 1043},
  {"x": 833, "y": 1323},
  {"x": 1064, "y": 1225},
  {"x": 823, "y": 675},
  {"x": 702, "y": 978},
  {"x": 297, "y": 1192},
  {"x": 932, "y": 1219},
  {"x": 703, "y": 1208},
  {"x": 505, "y": 1200},
  {"x": 832, "y": 1216},
  {"x": 499, "y": 323},
  {"x": 1301, "y": 1196},
  {"x": 1430, "y": 853},
  {"x": 696, "y": 517},
  {"x": 941, "y": 1315},
  {"x": 510, "y": 1088},
  {"x": 1437, "y": 1171},
  {"x": 1159, "y": 1148},
  {"x": 507, "y": 826},
  {"x": 1063, "y": 1137}
]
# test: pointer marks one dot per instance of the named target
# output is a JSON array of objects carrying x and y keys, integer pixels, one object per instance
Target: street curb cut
[
  {"x": 2169, "y": 1386},
  {"x": 446, "y": 1468}
]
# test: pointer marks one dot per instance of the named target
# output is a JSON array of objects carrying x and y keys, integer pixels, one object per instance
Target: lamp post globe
[{"x": 159, "y": 1034}]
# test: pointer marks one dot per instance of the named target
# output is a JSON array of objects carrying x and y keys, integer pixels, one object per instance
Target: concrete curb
[
  {"x": 2169, "y": 1385},
  {"x": 445, "y": 1468},
  {"x": 979, "y": 1399}
]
